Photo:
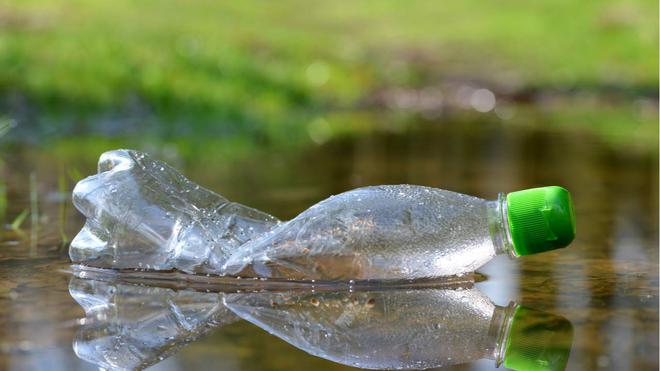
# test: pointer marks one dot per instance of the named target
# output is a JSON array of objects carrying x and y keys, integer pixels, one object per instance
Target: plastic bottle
[
  {"x": 410, "y": 328},
  {"x": 143, "y": 214},
  {"x": 407, "y": 232}
]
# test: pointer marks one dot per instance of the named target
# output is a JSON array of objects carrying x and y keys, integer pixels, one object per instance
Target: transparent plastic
[
  {"x": 383, "y": 329},
  {"x": 381, "y": 232},
  {"x": 407, "y": 326},
  {"x": 141, "y": 213},
  {"x": 130, "y": 327}
]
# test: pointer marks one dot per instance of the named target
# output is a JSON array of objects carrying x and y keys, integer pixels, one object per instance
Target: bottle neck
[
  {"x": 498, "y": 224},
  {"x": 498, "y": 332}
]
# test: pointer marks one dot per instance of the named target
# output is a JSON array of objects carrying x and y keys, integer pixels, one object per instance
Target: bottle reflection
[
  {"x": 409, "y": 328},
  {"x": 131, "y": 326}
]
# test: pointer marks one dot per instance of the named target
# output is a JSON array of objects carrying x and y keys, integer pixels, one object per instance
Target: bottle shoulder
[{"x": 399, "y": 197}]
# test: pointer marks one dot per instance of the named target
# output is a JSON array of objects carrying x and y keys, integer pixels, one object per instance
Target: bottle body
[
  {"x": 141, "y": 213},
  {"x": 381, "y": 232}
]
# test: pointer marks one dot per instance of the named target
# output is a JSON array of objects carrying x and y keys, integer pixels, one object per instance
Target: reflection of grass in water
[
  {"x": 3, "y": 201},
  {"x": 18, "y": 221},
  {"x": 34, "y": 213},
  {"x": 63, "y": 189},
  {"x": 618, "y": 126},
  {"x": 6, "y": 125}
]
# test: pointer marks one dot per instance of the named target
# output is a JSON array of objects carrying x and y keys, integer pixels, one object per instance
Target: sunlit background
[{"x": 278, "y": 105}]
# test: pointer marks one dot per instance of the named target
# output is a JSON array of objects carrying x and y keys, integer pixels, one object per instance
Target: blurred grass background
[
  {"x": 278, "y": 104},
  {"x": 291, "y": 72}
]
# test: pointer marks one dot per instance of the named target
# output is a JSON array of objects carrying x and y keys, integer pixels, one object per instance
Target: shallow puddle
[{"x": 605, "y": 284}]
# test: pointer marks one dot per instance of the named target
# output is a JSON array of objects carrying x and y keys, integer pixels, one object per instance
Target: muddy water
[{"x": 605, "y": 283}]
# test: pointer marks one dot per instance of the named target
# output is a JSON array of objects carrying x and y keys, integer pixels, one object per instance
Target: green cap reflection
[{"x": 538, "y": 341}]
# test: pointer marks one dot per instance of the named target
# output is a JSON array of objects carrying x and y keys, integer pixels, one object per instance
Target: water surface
[{"x": 605, "y": 283}]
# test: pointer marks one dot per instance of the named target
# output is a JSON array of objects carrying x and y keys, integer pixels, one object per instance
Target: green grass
[
  {"x": 18, "y": 221},
  {"x": 269, "y": 68}
]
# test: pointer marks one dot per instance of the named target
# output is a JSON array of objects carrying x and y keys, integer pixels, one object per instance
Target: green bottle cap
[
  {"x": 538, "y": 341},
  {"x": 540, "y": 219}
]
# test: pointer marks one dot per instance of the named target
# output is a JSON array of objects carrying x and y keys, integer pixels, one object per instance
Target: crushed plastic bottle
[
  {"x": 410, "y": 328},
  {"x": 407, "y": 232},
  {"x": 129, "y": 327},
  {"x": 143, "y": 214}
]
